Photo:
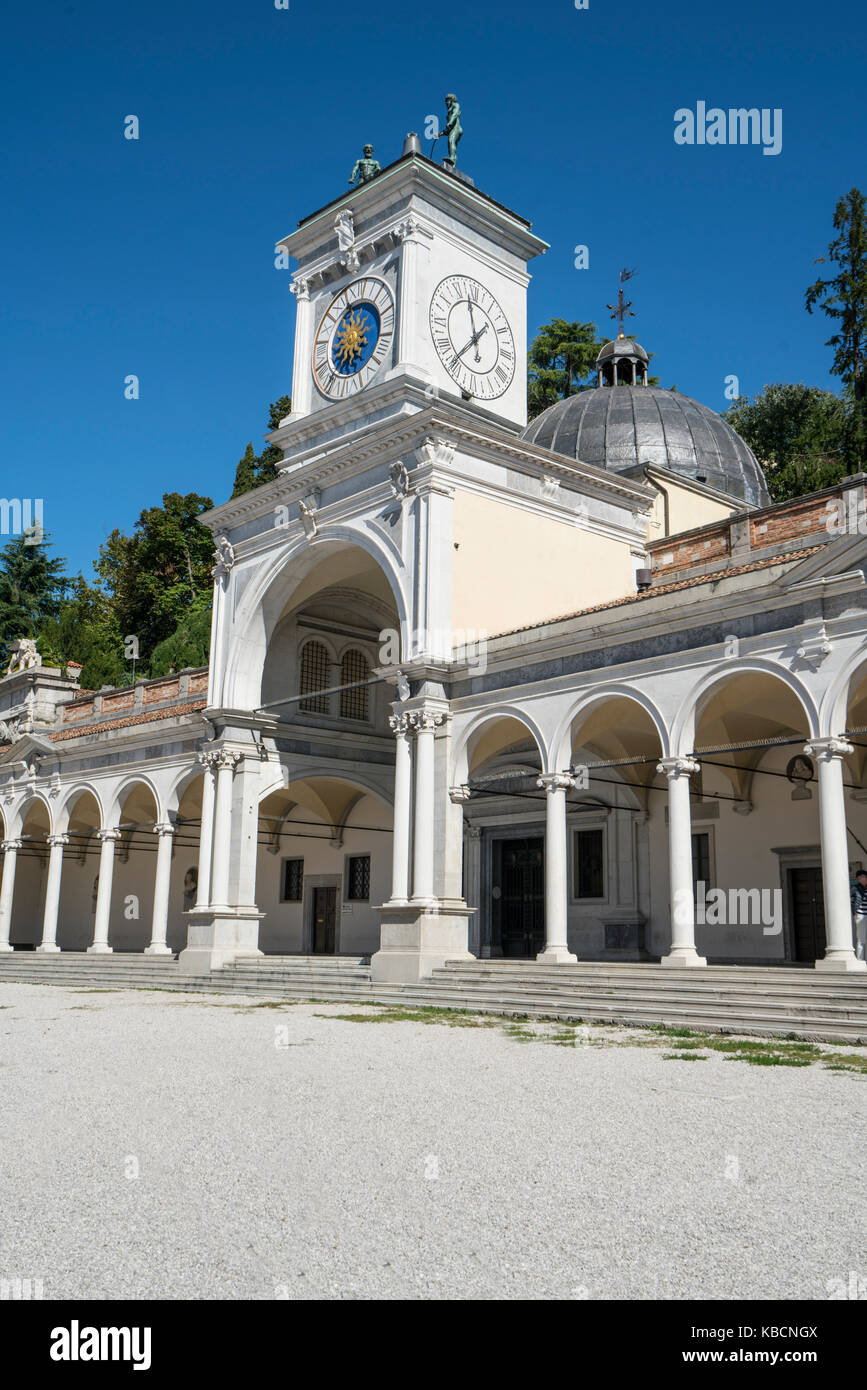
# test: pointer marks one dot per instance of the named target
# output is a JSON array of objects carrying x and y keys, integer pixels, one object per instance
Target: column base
[
  {"x": 683, "y": 957},
  {"x": 160, "y": 950},
  {"x": 847, "y": 963},
  {"x": 418, "y": 938},
  {"x": 48, "y": 950},
  {"x": 5, "y": 948},
  {"x": 100, "y": 949},
  {"x": 556, "y": 955},
  {"x": 219, "y": 936}
]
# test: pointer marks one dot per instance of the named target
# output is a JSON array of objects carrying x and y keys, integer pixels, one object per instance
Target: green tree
[
  {"x": 798, "y": 434},
  {"x": 559, "y": 360},
  {"x": 843, "y": 297},
  {"x": 190, "y": 642},
  {"x": 245, "y": 473},
  {"x": 32, "y": 586},
  {"x": 155, "y": 576},
  {"x": 85, "y": 630},
  {"x": 253, "y": 470}
]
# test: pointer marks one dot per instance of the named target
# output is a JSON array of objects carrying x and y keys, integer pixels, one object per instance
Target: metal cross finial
[{"x": 623, "y": 307}]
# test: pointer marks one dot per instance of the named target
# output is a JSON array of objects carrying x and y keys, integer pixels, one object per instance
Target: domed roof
[
  {"x": 620, "y": 427},
  {"x": 622, "y": 347}
]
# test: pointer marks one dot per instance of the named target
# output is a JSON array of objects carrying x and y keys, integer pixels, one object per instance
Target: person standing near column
[{"x": 859, "y": 913}]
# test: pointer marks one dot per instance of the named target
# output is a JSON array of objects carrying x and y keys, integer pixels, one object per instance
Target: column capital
[
  {"x": 110, "y": 834},
  {"x": 53, "y": 840},
  {"x": 226, "y": 758},
  {"x": 424, "y": 721},
  {"x": 399, "y": 724},
  {"x": 11, "y": 844},
  {"x": 678, "y": 767},
  {"x": 207, "y": 757},
  {"x": 828, "y": 748},
  {"x": 459, "y": 795},
  {"x": 555, "y": 782},
  {"x": 163, "y": 828}
]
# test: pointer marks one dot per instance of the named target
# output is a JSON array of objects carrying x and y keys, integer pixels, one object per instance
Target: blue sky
[{"x": 155, "y": 257}]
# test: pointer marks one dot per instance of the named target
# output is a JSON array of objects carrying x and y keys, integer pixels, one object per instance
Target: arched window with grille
[
  {"x": 354, "y": 667},
  {"x": 314, "y": 676}
]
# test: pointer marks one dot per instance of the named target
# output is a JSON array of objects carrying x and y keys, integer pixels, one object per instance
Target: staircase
[{"x": 762, "y": 1000}]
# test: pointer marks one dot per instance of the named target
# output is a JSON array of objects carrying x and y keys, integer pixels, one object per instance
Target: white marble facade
[{"x": 549, "y": 794}]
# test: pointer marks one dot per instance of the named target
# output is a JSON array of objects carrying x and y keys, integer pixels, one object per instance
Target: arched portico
[
  {"x": 323, "y": 864},
  {"x": 741, "y": 734},
  {"x": 346, "y": 557}
]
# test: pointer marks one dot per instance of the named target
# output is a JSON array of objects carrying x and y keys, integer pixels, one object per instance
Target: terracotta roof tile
[{"x": 671, "y": 588}]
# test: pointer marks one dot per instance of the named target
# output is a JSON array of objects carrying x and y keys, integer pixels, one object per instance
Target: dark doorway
[
  {"x": 518, "y": 918},
  {"x": 808, "y": 914},
  {"x": 324, "y": 921}
]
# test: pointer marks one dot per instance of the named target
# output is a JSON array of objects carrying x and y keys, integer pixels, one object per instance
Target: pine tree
[
  {"x": 844, "y": 297},
  {"x": 32, "y": 586},
  {"x": 245, "y": 473}
]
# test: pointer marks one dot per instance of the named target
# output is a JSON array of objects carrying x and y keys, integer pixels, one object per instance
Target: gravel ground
[{"x": 164, "y": 1146}]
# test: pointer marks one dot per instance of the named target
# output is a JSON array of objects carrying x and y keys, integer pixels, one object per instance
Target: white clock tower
[{"x": 413, "y": 274}]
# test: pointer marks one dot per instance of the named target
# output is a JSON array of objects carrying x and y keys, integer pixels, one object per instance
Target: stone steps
[{"x": 761, "y": 1001}]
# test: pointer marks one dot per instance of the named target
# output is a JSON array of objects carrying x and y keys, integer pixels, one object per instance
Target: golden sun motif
[{"x": 351, "y": 338}]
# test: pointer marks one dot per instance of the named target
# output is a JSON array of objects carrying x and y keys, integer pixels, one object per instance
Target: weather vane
[{"x": 623, "y": 307}]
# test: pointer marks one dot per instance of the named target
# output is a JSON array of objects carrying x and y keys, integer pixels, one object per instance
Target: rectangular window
[
  {"x": 358, "y": 877},
  {"x": 701, "y": 859},
  {"x": 589, "y": 863},
  {"x": 293, "y": 880}
]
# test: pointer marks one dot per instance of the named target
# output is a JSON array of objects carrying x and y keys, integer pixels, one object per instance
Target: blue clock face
[{"x": 354, "y": 338}]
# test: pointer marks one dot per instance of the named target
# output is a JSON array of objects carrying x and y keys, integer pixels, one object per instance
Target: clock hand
[
  {"x": 473, "y": 326},
  {"x": 475, "y": 338}
]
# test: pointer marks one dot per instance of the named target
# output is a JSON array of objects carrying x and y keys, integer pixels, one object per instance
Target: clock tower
[{"x": 414, "y": 275}]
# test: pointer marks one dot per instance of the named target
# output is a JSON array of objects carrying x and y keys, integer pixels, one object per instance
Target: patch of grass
[
  {"x": 668, "y": 1032},
  {"x": 772, "y": 1059},
  {"x": 683, "y": 1057},
  {"x": 845, "y": 1061}
]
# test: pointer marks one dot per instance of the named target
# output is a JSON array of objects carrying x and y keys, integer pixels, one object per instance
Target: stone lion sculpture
[{"x": 24, "y": 655}]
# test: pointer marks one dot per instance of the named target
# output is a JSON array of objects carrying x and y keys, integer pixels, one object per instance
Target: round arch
[
  {"x": 712, "y": 682},
  {"x": 487, "y": 719},
  {"x": 564, "y": 739},
  {"x": 122, "y": 794},
  {"x": 19, "y": 813},
  {"x": 70, "y": 801},
  {"x": 835, "y": 706},
  {"x": 267, "y": 597}
]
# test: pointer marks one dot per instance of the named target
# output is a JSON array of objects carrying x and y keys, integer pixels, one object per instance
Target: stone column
[
  {"x": 52, "y": 894},
  {"x": 839, "y": 950},
  {"x": 206, "y": 831},
  {"x": 556, "y": 952},
  {"x": 10, "y": 855},
  {"x": 159, "y": 925},
  {"x": 680, "y": 886},
  {"x": 108, "y": 839},
  {"x": 402, "y": 792},
  {"x": 225, "y": 766},
  {"x": 302, "y": 383},
  {"x": 424, "y": 722}
]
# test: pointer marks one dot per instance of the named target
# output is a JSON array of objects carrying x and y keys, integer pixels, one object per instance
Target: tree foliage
[
  {"x": 154, "y": 576},
  {"x": 798, "y": 434},
  {"x": 843, "y": 298},
  {"x": 559, "y": 361},
  {"x": 32, "y": 588},
  {"x": 253, "y": 470}
]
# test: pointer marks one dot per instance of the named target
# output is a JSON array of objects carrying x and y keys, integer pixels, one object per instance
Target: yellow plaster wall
[
  {"x": 686, "y": 510},
  {"x": 512, "y": 568}
]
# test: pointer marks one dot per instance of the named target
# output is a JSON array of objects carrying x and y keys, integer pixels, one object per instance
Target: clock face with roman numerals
[
  {"x": 354, "y": 338},
  {"x": 472, "y": 336}
]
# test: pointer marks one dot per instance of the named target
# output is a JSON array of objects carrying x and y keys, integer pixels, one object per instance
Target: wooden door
[
  {"x": 324, "y": 921},
  {"x": 521, "y": 904},
  {"x": 808, "y": 914}
]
